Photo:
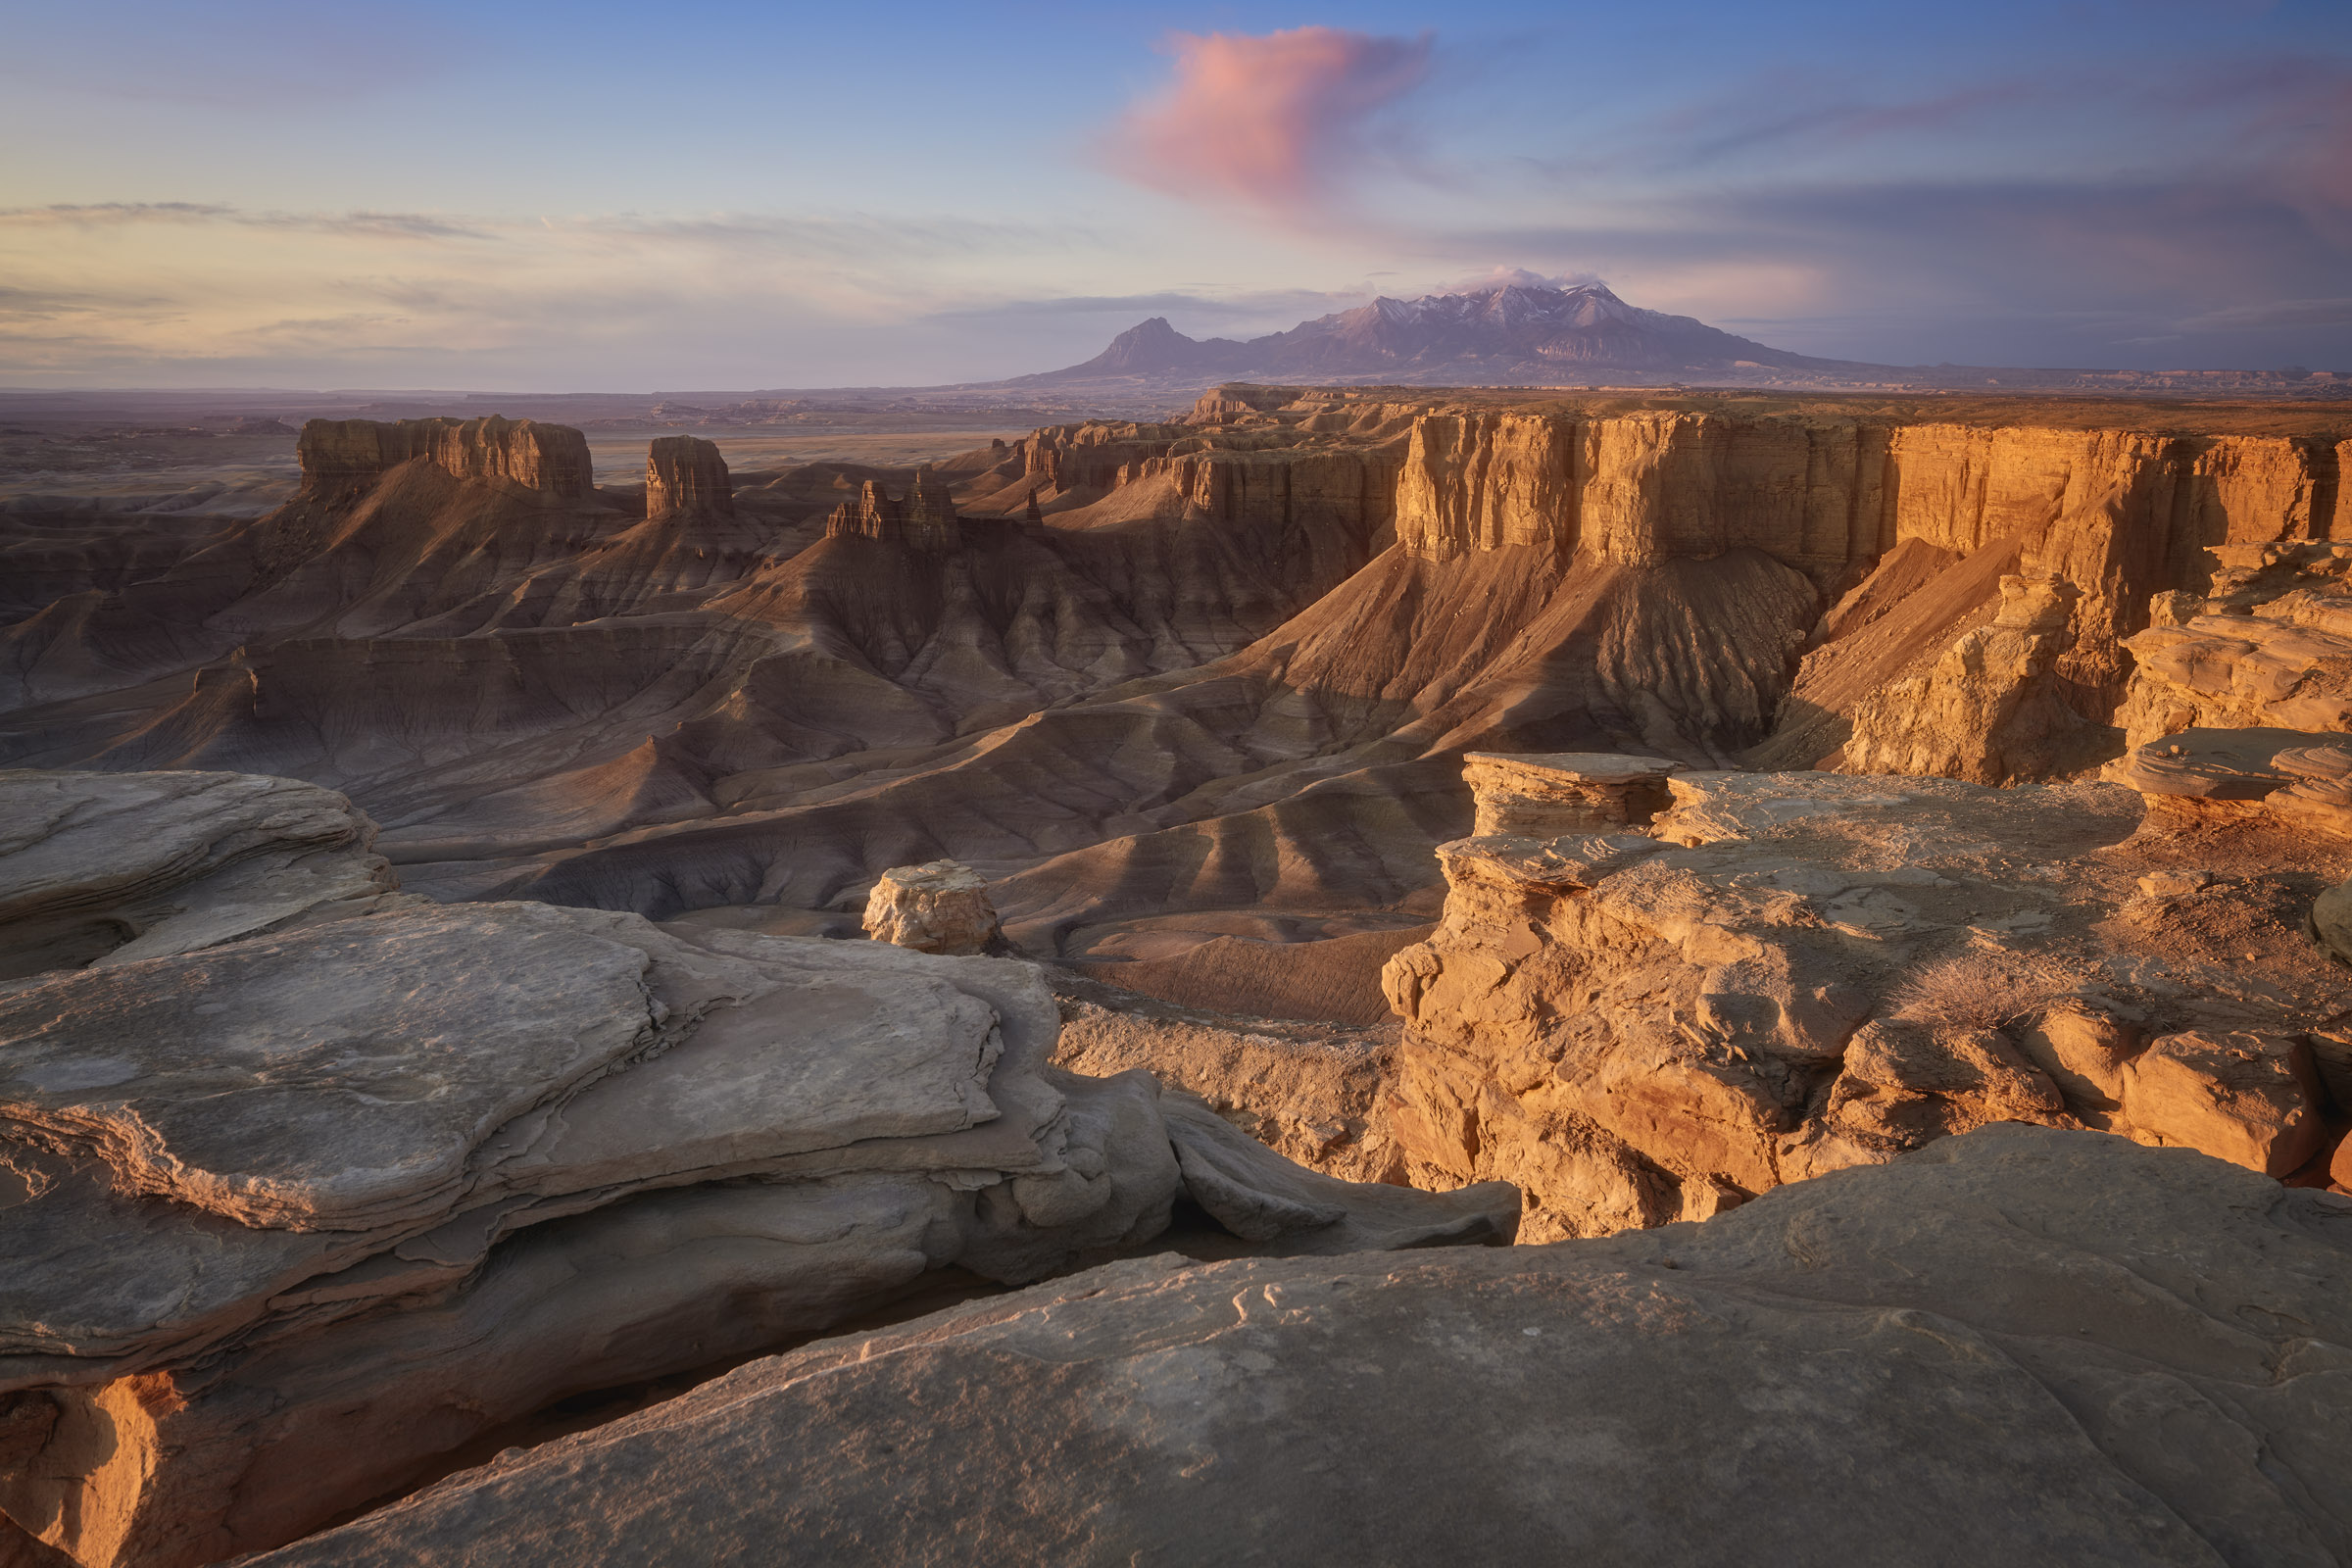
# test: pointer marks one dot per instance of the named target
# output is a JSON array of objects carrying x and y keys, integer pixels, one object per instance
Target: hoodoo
[{"x": 685, "y": 477}]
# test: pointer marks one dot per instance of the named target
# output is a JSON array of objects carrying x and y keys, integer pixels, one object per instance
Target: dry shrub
[{"x": 1981, "y": 990}]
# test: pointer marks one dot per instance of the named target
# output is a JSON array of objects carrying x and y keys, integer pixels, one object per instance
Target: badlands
[{"x": 545, "y": 1021}]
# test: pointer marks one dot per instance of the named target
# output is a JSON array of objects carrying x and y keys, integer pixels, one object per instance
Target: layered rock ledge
[
  {"x": 1787, "y": 974},
  {"x": 335, "y": 1180},
  {"x": 2022, "y": 1345},
  {"x": 551, "y": 459}
]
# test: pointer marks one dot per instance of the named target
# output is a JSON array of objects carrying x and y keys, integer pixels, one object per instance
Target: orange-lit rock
[
  {"x": 1794, "y": 973},
  {"x": 686, "y": 478},
  {"x": 939, "y": 907}
]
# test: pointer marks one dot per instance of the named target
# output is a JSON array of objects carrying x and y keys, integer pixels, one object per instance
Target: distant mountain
[{"x": 1512, "y": 333}]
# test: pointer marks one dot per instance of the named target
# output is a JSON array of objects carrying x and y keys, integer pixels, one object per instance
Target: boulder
[
  {"x": 2083, "y": 1048},
  {"x": 2331, "y": 921},
  {"x": 2250, "y": 1099},
  {"x": 2022, "y": 1345},
  {"x": 939, "y": 907},
  {"x": 1550, "y": 795}
]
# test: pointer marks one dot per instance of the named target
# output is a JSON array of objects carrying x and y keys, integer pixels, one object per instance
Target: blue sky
[{"x": 715, "y": 196}]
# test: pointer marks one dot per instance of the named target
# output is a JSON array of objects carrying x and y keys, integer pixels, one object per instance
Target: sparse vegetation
[{"x": 1981, "y": 990}]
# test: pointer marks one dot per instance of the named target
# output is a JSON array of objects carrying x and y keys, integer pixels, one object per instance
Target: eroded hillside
[{"x": 1168, "y": 686}]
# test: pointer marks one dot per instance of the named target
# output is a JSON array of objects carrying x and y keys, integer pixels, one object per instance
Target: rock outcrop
[
  {"x": 2268, "y": 646},
  {"x": 341, "y": 455},
  {"x": 2238, "y": 696},
  {"x": 940, "y": 907},
  {"x": 925, "y": 521},
  {"x": 1550, "y": 795},
  {"x": 1995, "y": 706},
  {"x": 292, "y": 1216},
  {"x": 2208, "y": 777},
  {"x": 1788, "y": 974},
  {"x": 1312, "y": 1092},
  {"x": 1226, "y": 673},
  {"x": 686, "y": 478},
  {"x": 2020, "y": 1346},
  {"x": 107, "y": 869}
]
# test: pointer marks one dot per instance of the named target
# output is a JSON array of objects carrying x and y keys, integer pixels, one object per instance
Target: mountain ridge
[{"x": 1508, "y": 333}]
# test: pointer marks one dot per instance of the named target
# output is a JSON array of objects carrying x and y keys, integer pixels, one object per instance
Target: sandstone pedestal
[
  {"x": 1549, "y": 795},
  {"x": 2319, "y": 794},
  {"x": 939, "y": 907}
]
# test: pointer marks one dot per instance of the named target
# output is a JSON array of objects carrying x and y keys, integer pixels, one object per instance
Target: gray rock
[
  {"x": 292, "y": 1217},
  {"x": 110, "y": 867},
  {"x": 2022, "y": 1345}
]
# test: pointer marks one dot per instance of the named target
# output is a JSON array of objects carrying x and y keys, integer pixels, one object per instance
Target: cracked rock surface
[
  {"x": 1793, "y": 973},
  {"x": 292, "y": 1217},
  {"x": 2021, "y": 1346}
]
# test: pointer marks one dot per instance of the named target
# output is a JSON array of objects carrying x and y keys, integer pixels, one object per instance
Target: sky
[{"x": 533, "y": 197}]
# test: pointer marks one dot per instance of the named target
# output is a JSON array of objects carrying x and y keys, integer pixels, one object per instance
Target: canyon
[
  {"x": 476, "y": 938},
  {"x": 1160, "y": 684}
]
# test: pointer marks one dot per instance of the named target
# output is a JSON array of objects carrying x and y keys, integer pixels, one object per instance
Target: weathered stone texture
[
  {"x": 551, "y": 459},
  {"x": 1791, "y": 973},
  {"x": 2020, "y": 1346},
  {"x": 940, "y": 907},
  {"x": 686, "y": 478}
]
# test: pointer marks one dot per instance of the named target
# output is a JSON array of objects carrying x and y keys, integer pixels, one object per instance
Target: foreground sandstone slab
[
  {"x": 2020, "y": 1347},
  {"x": 291, "y": 1218},
  {"x": 108, "y": 867}
]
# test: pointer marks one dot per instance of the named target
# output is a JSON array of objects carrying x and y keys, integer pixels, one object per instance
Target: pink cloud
[{"x": 1272, "y": 122}]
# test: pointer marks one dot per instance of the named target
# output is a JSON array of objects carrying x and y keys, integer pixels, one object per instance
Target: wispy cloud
[
  {"x": 366, "y": 225},
  {"x": 1199, "y": 311},
  {"x": 2335, "y": 312},
  {"x": 189, "y": 289},
  {"x": 1271, "y": 121}
]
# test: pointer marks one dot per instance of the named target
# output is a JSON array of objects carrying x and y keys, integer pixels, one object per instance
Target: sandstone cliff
[
  {"x": 2113, "y": 517},
  {"x": 551, "y": 459},
  {"x": 1219, "y": 671},
  {"x": 925, "y": 521},
  {"x": 1786, "y": 974}
]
